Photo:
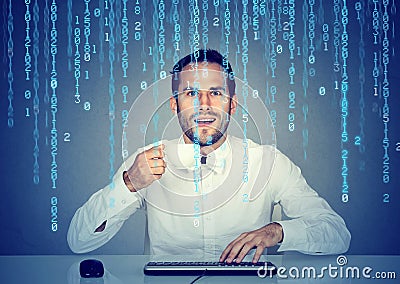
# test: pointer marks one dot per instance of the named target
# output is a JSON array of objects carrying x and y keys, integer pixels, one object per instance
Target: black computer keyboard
[{"x": 208, "y": 268}]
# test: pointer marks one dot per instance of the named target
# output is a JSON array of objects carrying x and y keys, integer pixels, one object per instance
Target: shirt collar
[{"x": 188, "y": 156}]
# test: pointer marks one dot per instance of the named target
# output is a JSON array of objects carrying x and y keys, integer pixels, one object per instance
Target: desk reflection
[{"x": 128, "y": 269}]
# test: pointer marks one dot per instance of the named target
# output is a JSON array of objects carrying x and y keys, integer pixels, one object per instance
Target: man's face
[{"x": 204, "y": 105}]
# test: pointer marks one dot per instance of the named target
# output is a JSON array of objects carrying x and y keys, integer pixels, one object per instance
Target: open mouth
[{"x": 204, "y": 121}]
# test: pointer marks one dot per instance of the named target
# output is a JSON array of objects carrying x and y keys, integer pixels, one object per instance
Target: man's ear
[
  {"x": 234, "y": 104},
  {"x": 173, "y": 104}
]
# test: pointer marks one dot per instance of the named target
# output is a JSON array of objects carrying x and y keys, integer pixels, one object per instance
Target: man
[{"x": 230, "y": 227}]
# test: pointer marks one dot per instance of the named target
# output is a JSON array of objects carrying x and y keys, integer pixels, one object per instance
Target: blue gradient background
[{"x": 83, "y": 163}]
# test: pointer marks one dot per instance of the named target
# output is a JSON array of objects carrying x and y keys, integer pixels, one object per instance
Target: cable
[{"x": 198, "y": 277}]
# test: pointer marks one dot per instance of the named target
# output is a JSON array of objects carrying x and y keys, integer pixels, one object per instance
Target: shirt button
[{"x": 123, "y": 201}]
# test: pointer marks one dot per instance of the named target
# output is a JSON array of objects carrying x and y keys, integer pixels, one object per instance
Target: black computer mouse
[{"x": 91, "y": 268}]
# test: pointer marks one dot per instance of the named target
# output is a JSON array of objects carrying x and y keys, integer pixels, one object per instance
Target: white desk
[{"x": 129, "y": 269}]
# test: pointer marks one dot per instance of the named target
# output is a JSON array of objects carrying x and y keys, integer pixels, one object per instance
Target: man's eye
[
  {"x": 216, "y": 93},
  {"x": 192, "y": 93}
]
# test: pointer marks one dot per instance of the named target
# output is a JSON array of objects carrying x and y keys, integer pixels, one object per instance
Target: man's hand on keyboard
[{"x": 267, "y": 236}]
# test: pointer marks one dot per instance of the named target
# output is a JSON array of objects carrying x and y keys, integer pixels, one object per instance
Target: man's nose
[{"x": 204, "y": 100}]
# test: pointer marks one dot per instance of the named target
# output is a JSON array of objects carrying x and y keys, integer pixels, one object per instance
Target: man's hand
[
  {"x": 262, "y": 238},
  {"x": 147, "y": 167}
]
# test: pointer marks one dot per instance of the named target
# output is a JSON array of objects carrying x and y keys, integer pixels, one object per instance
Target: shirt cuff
[{"x": 294, "y": 234}]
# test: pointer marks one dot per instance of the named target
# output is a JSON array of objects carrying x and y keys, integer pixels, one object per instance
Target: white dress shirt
[{"x": 234, "y": 192}]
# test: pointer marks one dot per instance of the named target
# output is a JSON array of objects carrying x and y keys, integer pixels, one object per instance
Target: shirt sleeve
[
  {"x": 314, "y": 227},
  {"x": 114, "y": 204}
]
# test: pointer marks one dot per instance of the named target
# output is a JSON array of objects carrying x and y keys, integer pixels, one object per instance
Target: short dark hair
[{"x": 204, "y": 55}]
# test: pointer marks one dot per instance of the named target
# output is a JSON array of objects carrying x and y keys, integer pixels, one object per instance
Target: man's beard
[{"x": 202, "y": 139}]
